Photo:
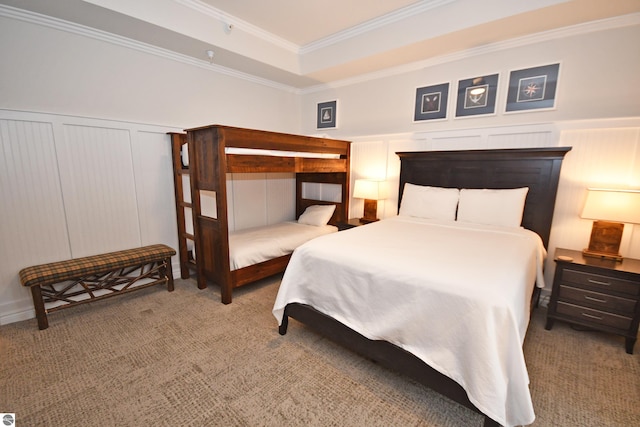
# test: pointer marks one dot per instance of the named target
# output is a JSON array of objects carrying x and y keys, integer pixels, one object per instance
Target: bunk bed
[
  {"x": 214, "y": 152},
  {"x": 445, "y": 301}
]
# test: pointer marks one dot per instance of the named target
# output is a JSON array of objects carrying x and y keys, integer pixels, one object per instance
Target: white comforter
[
  {"x": 254, "y": 245},
  {"x": 455, "y": 295}
]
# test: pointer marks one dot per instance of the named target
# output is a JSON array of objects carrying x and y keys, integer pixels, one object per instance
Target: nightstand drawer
[
  {"x": 601, "y": 283},
  {"x": 588, "y": 315},
  {"x": 597, "y": 300}
]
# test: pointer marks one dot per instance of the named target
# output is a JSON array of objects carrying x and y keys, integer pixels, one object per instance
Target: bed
[
  {"x": 212, "y": 154},
  {"x": 396, "y": 292}
]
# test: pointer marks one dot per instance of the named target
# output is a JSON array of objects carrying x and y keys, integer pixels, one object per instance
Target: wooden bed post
[{"x": 207, "y": 156}]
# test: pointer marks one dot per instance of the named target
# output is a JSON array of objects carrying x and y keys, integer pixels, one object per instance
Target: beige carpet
[{"x": 183, "y": 358}]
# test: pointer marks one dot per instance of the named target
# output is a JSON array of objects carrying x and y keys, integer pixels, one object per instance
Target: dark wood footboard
[{"x": 382, "y": 352}]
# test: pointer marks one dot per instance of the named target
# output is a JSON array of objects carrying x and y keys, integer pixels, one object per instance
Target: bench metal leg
[{"x": 38, "y": 304}]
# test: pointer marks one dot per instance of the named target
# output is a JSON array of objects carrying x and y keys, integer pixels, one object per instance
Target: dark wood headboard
[{"x": 536, "y": 168}]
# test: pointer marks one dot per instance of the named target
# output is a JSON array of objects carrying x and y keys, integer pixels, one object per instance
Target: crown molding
[
  {"x": 363, "y": 28},
  {"x": 81, "y": 30},
  {"x": 574, "y": 30},
  {"x": 59, "y": 24},
  {"x": 374, "y": 24},
  {"x": 238, "y": 23}
]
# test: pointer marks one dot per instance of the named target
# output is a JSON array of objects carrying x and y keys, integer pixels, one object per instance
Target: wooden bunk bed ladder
[{"x": 180, "y": 170}]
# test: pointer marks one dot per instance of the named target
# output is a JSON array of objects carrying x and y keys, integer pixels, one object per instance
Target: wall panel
[
  {"x": 99, "y": 191},
  {"x": 32, "y": 218},
  {"x": 72, "y": 187},
  {"x": 154, "y": 187}
]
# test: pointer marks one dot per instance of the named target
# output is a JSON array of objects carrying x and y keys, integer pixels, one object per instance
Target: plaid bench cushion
[{"x": 55, "y": 272}]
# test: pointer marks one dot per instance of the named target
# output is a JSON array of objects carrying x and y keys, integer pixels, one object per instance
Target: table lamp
[
  {"x": 371, "y": 191},
  {"x": 611, "y": 209}
]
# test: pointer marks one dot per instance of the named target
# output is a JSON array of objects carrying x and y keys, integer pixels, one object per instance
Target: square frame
[
  {"x": 431, "y": 102},
  {"x": 326, "y": 116},
  {"x": 533, "y": 88},
  {"x": 477, "y": 95}
]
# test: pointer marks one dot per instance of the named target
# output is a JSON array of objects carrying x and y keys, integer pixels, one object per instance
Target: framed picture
[
  {"x": 431, "y": 102},
  {"x": 326, "y": 118},
  {"x": 477, "y": 96},
  {"x": 533, "y": 88}
]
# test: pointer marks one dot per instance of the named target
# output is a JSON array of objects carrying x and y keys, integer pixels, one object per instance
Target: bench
[{"x": 65, "y": 284}]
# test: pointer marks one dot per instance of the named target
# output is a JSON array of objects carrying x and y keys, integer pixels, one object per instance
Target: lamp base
[
  {"x": 370, "y": 211},
  {"x": 602, "y": 255},
  {"x": 605, "y": 240}
]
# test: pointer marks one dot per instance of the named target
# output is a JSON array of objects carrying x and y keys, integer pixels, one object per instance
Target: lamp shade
[
  {"x": 370, "y": 189},
  {"x": 612, "y": 205}
]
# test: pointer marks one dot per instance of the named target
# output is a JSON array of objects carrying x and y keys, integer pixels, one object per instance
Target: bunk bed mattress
[
  {"x": 255, "y": 245},
  {"x": 455, "y": 295},
  {"x": 184, "y": 153}
]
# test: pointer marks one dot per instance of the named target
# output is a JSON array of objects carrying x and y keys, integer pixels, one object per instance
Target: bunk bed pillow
[
  {"x": 423, "y": 201},
  {"x": 318, "y": 215},
  {"x": 184, "y": 155},
  {"x": 492, "y": 207}
]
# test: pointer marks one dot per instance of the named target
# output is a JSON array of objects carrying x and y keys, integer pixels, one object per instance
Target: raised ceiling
[{"x": 304, "y": 44}]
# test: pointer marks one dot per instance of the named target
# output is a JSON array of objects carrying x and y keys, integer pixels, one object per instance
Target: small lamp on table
[
  {"x": 371, "y": 191},
  {"x": 611, "y": 209}
]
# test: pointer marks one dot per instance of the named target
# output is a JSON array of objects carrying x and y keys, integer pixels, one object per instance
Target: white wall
[
  {"x": 598, "y": 80},
  {"x": 597, "y": 113},
  {"x": 84, "y": 158},
  {"x": 73, "y": 187},
  {"x": 49, "y": 70}
]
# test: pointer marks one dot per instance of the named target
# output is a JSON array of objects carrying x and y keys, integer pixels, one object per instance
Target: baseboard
[{"x": 17, "y": 315}]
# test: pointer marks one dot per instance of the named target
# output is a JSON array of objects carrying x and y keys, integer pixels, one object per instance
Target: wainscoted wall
[
  {"x": 604, "y": 153},
  {"x": 73, "y": 187}
]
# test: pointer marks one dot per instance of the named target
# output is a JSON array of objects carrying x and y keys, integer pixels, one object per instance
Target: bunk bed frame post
[{"x": 208, "y": 159}]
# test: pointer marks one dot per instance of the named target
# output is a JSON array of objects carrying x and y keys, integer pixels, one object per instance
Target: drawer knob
[
  {"x": 591, "y": 316},
  {"x": 588, "y": 298},
  {"x": 598, "y": 282}
]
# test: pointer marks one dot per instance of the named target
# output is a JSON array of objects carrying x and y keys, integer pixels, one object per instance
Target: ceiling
[
  {"x": 303, "y": 22},
  {"x": 304, "y": 44}
]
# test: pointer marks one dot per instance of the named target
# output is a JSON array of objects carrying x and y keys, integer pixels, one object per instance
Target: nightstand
[
  {"x": 351, "y": 223},
  {"x": 596, "y": 293}
]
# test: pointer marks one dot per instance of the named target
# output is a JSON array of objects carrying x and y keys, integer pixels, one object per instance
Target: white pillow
[
  {"x": 317, "y": 215},
  {"x": 492, "y": 207},
  {"x": 429, "y": 202}
]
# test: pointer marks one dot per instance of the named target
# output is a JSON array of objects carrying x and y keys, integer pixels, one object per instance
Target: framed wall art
[
  {"x": 477, "y": 96},
  {"x": 431, "y": 102},
  {"x": 326, "y": 116},
  {"x": 533, "y": 88}
]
